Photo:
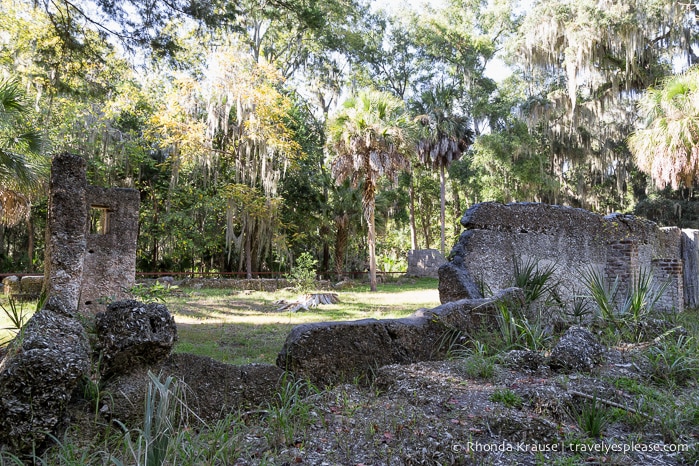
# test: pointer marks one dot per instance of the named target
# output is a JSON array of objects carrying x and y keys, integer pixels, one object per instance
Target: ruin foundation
[{"x": 573, "y": 241}]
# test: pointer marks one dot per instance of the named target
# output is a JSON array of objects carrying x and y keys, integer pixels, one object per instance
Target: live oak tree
[{"x": 584, "y": 64}]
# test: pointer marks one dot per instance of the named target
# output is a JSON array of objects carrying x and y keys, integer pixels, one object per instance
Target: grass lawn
[{"x": 240, "y": 327}]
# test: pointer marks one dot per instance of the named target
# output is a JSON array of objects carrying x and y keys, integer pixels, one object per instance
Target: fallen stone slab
[
  {"x": 38, "y": 374},
  {"x": 210, "y": 389},
  {"x": 335, "y": 352}
]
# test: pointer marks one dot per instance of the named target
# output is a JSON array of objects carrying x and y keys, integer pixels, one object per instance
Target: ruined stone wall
[
  {"x": 424, "y": 263},
  {"x": 90, "y": 239},
  {"x": 573, "y": 240},
  {"x": 109, "y": 268},
  {"x": 65, "y": 231}
]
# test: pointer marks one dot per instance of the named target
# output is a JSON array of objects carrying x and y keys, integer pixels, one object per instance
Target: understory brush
[
  {"x": 623, "y": 318},
  {"x": 477, "y": 362}
]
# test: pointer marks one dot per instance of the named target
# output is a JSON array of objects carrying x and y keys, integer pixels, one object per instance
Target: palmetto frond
[
  {"x": 668, "y": 147},
  {"x": 370, "y": 137},
  {"x": 443, "y": 135},
  {"x": 22, "y": 164}
]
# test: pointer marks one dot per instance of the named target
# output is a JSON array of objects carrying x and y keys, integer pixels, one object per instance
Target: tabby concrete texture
[
  {"x": 110, "y": 252},
  {"x": 37, "y": 379},
  {"x": 573, "y": 241},
  {"x": 66, "y": 232},
  {"x": 90, "y": 240},
  {"x": 337, "y": 352}
]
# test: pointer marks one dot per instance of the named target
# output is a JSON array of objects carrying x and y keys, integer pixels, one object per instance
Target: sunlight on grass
[
  {"x": 241, "y": 327},
  {"x": 7, "y": 327}
]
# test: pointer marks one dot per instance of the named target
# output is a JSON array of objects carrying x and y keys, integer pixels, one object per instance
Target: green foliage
[
  {"x": 477, "y": 363},
  {"x": 22, "y": 164},
  {"x": 674, "y": 361},
  {"x": 289, "y": 415},
  {"x": 625, "y": 317},
  {"x": 506, "y": 397},
  {"x": 538, "y": 282},
  {"x": 603, "y": 294},
  {"x": 580, "y": 310},
  {"x": 152, "y": 443},
  {"x": 592, "y": 418},
  {"x": 15, "y": 313},
  {"x": 151, "y": 293},
  {"x": 519, "y": 331},
  {"x": 303, "y": 274},
  {"x": 663, "y": 148}
]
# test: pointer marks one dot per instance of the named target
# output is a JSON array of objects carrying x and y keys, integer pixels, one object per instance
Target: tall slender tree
[
  {"x": 444, "y": 137},
  {"x": 370, "y": 137}
]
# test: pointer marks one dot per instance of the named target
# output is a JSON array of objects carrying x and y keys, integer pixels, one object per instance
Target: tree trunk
[
  {"x": 325, "y": 261},
  {"x": 413, "y": 229},
  {"x": 30, "y": 243},
  {"x": 248, "y": 254},
  {"x": 372, "y": 250},
  {"x": 154, "y": 251},
  {"x": 369, "y": 202},
  {"x": 341, "y": 236},
  {"x": 442, "y": 213}
]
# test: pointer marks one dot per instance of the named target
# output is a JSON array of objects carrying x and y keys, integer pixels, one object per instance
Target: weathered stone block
[
  {"x": 132, "y": 334},
  {"x": 571, "y": 240},
  {"x": 332, "y": 352},
  {"x": 31, "y": 285},
  {"x": 37, "y": 378},
  {"x": 424, "y": 263},
  {"x": 577, "y": 351},
  {"x": 212, "y": 389},
  {"x": 11, "y": 285}
]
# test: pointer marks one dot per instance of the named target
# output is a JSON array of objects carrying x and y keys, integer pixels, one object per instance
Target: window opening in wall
[{"x": 99, "y": 220}]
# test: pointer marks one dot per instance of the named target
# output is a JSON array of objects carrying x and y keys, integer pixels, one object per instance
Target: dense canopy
[{"x": 238, "y": 121}]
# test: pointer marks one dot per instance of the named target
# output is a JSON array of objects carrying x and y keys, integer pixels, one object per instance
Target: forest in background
[{"x": 224, "y": 115}]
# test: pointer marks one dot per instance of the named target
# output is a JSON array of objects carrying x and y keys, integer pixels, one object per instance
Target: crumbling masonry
[
  {"x": 90, "y": 239},
  {"x": 574, "y": 240}
]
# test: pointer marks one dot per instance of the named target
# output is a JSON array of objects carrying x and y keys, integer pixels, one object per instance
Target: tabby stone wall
[
  {"x": 90, "y": 239},
  {"x": 573, "y": 241}
]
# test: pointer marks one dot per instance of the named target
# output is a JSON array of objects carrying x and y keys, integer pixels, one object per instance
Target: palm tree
[
  {"x": 22, "y": 165},
  {"x": 667, "y": 148},
  {"x": 370, "y": 136},
  {"x": 444, "y": 137}
]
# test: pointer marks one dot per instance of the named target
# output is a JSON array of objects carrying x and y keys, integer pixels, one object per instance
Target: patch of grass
[
  {"x": 477, "y": 363},
  {"x": 289, "y": 416},
  {"x": 506, "y": 397},
  {"x": 592, "y": 418},
  {"x": 674, "y": 361}
]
